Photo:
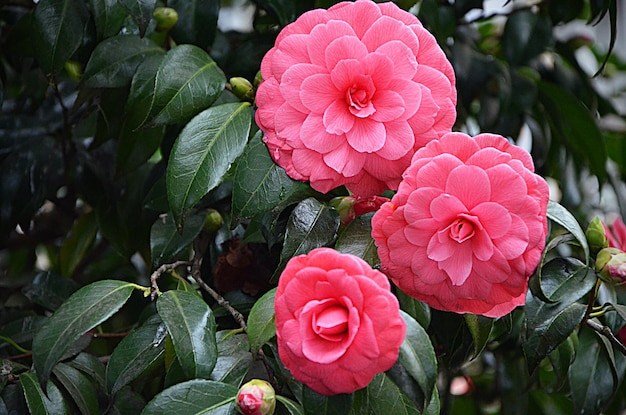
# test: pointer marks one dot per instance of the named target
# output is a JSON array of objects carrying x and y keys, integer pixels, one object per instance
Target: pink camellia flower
[
  {"x": 467, "y": 226},
  {"x": 616, "y": 234},
  {"x": 257, "y": 397},
  {"x": 350, "y": 93},
  {"x": 337, "y": 322}
]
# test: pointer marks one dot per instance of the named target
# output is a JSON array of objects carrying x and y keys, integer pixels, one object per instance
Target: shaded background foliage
[{"x": 125, "y": 155}]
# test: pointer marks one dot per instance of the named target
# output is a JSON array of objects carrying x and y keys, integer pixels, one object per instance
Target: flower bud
[
  {"x": 258, "y": 78},
  {"x": 165, "y": 17},
  {"x": 349, "y": 207},
  {"x": 611, "y": 264},
  {"x": 213, "y": 221},
  {"x": 596, "y": 235},
  {"x": 256, "y": 397},
  {"x": 242, "y": 88},
  {"x": 74, "y": 70}
]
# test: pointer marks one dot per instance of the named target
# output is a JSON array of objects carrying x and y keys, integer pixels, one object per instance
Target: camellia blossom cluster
[
  {"x": 350, "y": 93},
  {"x": 337, "y": 322},
  {"x": 467, "y": 226}
]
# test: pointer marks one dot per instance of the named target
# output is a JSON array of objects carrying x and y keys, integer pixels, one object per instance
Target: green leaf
[
  {"x": 590, "y": 375},
  {"x": 233, "y": 357},
  {"x": 59, "y": 27},
  {"x": 558, "y": 214},
  {"x": 315, "y": 404},
  {"x": 311, "y": 225},
  {"x": 90, "y": 365},
  {"x": 108, "y": 16},
  {"x": 114, "y": 61},
  {"x": 563, "y": 279},
  {"x": 40, "y": 403},
  {"x": 165, "y": 240},
  {"x": 78, "y": 243},
  {"x": 137, "y": 352},
  {"x": 418, "y": 357},
  {"x": 480, "y": 329},
  {"x": 547, "y": 326},
  {"x": 84, "y": 310},
  {"x": 193, "y": 397},
  {"x": 418, "y": 310},
  {"x": 187, "y": 82},
  {"x": 80, "y": 388},
  {"x": 357, "y": 240},
  {"x": 575, "y": 126},
  {"x": 197, "y": 21},
  {"x": 562, "y": 357},
  {"x": 141, "y": 12},
  {"x": 261, "y": 185},
  {"x": 262, "y": 321},
  {"x": 50, "y": 290},
  {"x": 291, "y": 407},
  {"x": 385, "y": 398},
  {"x": 526, "y": 35},
  {"x": 191, "y": 325},
  {"x": 203, "y": 153}
]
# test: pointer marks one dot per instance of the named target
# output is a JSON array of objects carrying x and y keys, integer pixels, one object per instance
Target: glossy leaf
[
  {"x": 203, "y": 153},
  {"x": 384, "y": 397},
  {"x": 197, "y": 21},
  {"x": 480, "y": 328},
  {"x": 90, "y": 365},
  {"x": 261, "y": 185},
  {"x": 562, "y": 357},
  {"x": 39, "y": 403},
  {"x": 311, "y": 225},
  {"x": 558, "y": 214},
  {"x": 191, "y": 325},
  {"x": 417, "y": 356},
  {"x": 80, "y": 388},
  {"x": 165, "y": 240},
  {"x": 233, "y": 357},
  {"x": 563, "y": 279},
  {"x": 108, "y": 16},
  {"x": 262, "y": 321},
  {"x": 84, "y": 310},
  {"x": 114, "y": 61},
  {"x": 187, "y": 82},
  {"x": 357, "y": 240},
  {"x": 315, "y": 404},
  {"x": 137, "y": 352},
  {"x": 78, "y": 243},
  {"x": 50, "y": 290},
  {"x": 526, "y": 34},
  {"x": 418, "y": 310},
  {"x": 140, "y": 11},
  {"x": 291, "y": 407},
  {"x": 193, "y": 397},
  {"x": 59, "y": 25}
]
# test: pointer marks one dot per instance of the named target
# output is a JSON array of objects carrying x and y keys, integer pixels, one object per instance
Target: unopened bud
[
  {"x": 344, "y": 205},
  {"x": 596, "y": 235},
  {"x": 213, "y": 221},
  {"x": 258, "y": 78},
  {"x": 74, "y": 70},
  {"x": 242, "y": 88},
  {"x": 256, "y": 397},
  {"x": 611, "y": 264},
  {"x": 165, "y": 17}
]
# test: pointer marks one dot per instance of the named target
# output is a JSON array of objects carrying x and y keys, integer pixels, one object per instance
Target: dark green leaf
[
  {"x": 165, "y": 240},
  {"x": 191, "y": 325},
  {"x": 292, "y": 407},
  {"x": 261, "y": 185},
  {"x": 142, "y": 86},
  {"x": 78, "y": 243},
  {"x": 187, "y": 82},
  {"x": 311, "y": 225},
  {"x": 418, "y": 310},
  {"x": 39, "y": 403},
  {"x": 59, "y": 25},
  {"x": 90, "y": 365},
  {"x": 315, "y": 404},
  {"x": 417, "y": 356},
  {"x": 197, "y": 21},
  {"x": 563, "y": 217},
  {"x": 127, "y": 402},
  {"x": 136, "y": 147},
  {"x": 384, "y": 398},
  {"x": 115, "y": 60},
  {"x": 203, "y": 153},
  {"x": 480, "y": 329},
  {"x": 108, "y": 16},
  {"x": 285, "y": 10},
  {"x": 562, "y": 357},
  {"x": 526, "y": 34},
  {"x": 262, "y": 321},
  {"x": 193, "y": 397},
  {"x": 49, "y": 290},
  {"x": 135, "y": 353},
  {"x": 564, "y": 279},
  {"x": 547, "y": 326},
  {"x": 357, "y": 240},
  {"x": 84, "y": 310},
  {"x": 80, "y": 388},
  {"x": 611, "y": 6},
  {"x": 233, "y": 357},
  {"x": 140, "y": 11}
]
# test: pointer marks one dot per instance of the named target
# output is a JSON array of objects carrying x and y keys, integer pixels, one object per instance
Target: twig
[
  {"x": 154, "y": 288},
  {"x": 199, "y": 246},
  {"x": 606, "y": 332}
]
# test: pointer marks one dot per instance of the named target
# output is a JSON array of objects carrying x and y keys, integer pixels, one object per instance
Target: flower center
[
  {"x": 463, "y": 227},
  {"x": 359, "y": 95},
  {"x": 331, "y": 323}
]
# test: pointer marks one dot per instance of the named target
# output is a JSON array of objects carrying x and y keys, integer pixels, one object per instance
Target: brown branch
[
  {"x": 199, "y": 246},
  {"x": 154, "y": 288},
  {"x": 606, "y": 332}
]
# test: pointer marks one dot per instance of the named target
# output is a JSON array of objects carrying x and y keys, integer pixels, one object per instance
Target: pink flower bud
[
  {"x": 349, "y": 207},
  {"x": 256, "y": 397},
  {"x": 611, "y": 263}
]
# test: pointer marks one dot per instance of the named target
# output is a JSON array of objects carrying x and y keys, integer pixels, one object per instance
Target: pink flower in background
[
  {"x": 467, "y": 226},
  {"x": 350, "y": 93},
  {"x": 337, "y": 322},
  {"x": 616, "y": 234}
]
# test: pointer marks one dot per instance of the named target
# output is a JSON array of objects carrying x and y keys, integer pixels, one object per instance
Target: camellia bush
[{"x": 410, "y": 207}]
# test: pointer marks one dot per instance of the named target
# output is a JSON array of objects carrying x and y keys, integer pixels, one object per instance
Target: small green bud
[
  {"x": 165, "y": 17},
  {"x": 596, "y": 235},
  {"x": 256, "y": 397},
  {"x": 258, "y": 78},
  {"x": 344, "y": 205},
  {"x": 74, "y": 70},
  {"x": 213, "y": 221},
  {"x": 611, "y": 264},
  {"x": 242, "y": 88}
]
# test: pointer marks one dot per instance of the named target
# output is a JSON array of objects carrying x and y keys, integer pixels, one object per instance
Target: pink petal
[
  {"x": 488, "y": 157},
  {"x": 387, "y": 29},
  {"x": 344, "y": 73},
  {"x": 436, "y": 172},
  {"x": 345, "y": 47},
  {"x": 470, "y": 184},
  {"x": 459, "y": 265},
  {"x": 380, "y": 68},
  {"x": 495, "y": 218},
  {"x": 314, "y": 135},
  {"x": 399, "y": 140},
  {"x": 411, "y": 94},
  {"x": 345, "y": 161},
  {"x": 360, "y": 15},
  {"x": 418, "y": 205},
  {"x": 389, "y": 106},
  {"x": 364, "y": 185},
  {"x": 434, "y": 80},
  {"x": 337, "y": 119},
  {"x": 515, "y": 241},
  {"x": 322, "y": 35},
  {"x": 291, "y": 51},
  {"x": 314, "y": 91},
  {"x": 403, "y": 58},
  {"x": 367, "y": 136},
  {"x": 446, "y": 207}
]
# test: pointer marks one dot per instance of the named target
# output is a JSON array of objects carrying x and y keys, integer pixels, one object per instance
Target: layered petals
[
  {"x": 361, "y": 75},
  {"x": 467, "y": 226}
]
